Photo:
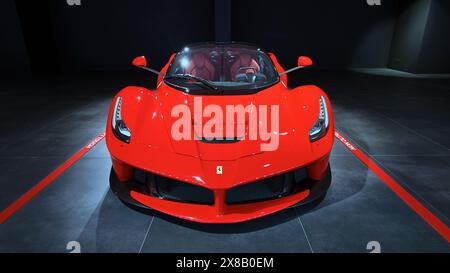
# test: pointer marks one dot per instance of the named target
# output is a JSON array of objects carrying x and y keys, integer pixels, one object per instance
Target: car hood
[{"x": 294, "y": 123}]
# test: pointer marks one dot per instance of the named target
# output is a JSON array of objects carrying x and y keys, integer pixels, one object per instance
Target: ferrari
[{"x": 222, "y": 138}]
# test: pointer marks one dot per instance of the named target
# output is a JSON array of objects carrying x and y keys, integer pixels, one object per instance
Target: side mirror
[
  {"x": 140, "y": 61},
  {"x": 304, "y": 61}
]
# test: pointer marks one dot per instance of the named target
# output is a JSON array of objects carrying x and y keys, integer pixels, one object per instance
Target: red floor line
[
  {"x": 415, "y": 205},
  {"x": 19, "y": 203}
]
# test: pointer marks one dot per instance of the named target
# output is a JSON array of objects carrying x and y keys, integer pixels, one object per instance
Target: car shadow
[{"x": 242, "y": 227}]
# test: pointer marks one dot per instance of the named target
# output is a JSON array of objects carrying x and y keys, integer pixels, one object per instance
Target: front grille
[
  {"x": 173, "y": 190},
  {"x": 267, "y": 189},
  {"x": 261, "y": 190}
]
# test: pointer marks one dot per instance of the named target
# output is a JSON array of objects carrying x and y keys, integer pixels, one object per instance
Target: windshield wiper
[{"x": 191, "y": 77}]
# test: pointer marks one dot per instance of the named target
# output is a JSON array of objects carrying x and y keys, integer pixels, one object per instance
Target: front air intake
[{"x": 174, "y": 190}]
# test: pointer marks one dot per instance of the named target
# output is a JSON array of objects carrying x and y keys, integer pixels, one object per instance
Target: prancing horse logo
[{"x": 219, "y": 170}]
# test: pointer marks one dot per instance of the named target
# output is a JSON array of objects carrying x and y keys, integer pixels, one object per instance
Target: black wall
[
  {"x": 13, "y": 54},
  {"x": 37, "y": 30},
  {"x": 104, "y": 35},
  {"x": 409, "y": 34},
  {"x": 421, "y": 42},
  {"x": 336, "y": 34},
  {"x": 435, "y": 53}
]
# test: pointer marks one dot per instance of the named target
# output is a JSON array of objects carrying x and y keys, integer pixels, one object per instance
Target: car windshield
[{"x": 221, "y": 69}]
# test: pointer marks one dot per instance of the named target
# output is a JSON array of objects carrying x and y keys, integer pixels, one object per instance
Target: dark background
[{"x": 51, "y": 37}]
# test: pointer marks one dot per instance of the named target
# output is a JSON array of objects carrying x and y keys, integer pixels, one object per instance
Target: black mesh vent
[
  {"x": 174, "y": 190},
  {"x": 267, "y": 189}
]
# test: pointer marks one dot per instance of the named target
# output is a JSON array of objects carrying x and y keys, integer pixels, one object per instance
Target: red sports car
[{"x": 222, "y": 138}]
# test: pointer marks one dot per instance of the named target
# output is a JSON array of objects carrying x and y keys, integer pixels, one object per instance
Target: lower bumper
[{"x": 132, "y": 192}]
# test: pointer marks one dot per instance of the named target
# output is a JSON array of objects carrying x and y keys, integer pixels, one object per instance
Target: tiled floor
[{"x": 401, "y": 123}]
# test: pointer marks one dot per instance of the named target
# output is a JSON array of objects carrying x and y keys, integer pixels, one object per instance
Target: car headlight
[
  {"x": 320, "y": 127},
  {"x": 119, "y": 128}
]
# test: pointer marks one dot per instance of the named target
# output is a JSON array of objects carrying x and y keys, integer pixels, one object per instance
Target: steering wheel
[
  {"x": 255, "y": 70},
  {"x": 246, "y": 77}
]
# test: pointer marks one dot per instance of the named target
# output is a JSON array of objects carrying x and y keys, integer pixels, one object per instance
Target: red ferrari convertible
[{"x": 222, "y": 138}]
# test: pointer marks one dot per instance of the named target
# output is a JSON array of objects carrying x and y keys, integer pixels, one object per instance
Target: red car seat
[{"x": 201, "y": 67}]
